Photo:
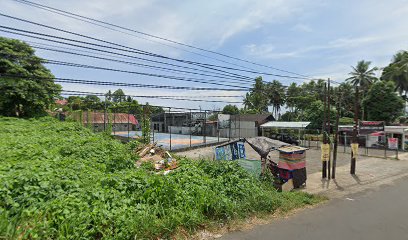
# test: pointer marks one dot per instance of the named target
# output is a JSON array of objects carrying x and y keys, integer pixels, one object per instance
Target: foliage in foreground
[{"x": 59, "y": 180}]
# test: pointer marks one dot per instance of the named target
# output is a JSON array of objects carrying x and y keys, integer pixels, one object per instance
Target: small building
[
  {"x": 375, "y": 138},
  {"x": 246, "y": 125},
  {"x": 119, "y": 121}
]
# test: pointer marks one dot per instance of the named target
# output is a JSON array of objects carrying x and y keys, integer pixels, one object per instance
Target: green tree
[
  {"x": 91, "y": 102},
  {"x": 315, "y": 114},
  {"x": 118, "y": 96},
  {"x": 230, "y": 109},
  {"x": 23, "y": 94},
  {"x": 292, "y": 95},
  {"x": 275, "y": 92},
  {"x": 383, "y": 103},
  {"x": 397, "y": 71},
  {"x": 256, "y": 100},
  {"x": 362, "y": 77}
]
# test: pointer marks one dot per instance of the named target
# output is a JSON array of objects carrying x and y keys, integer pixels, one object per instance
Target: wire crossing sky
[{"x": 227, "y": 41}]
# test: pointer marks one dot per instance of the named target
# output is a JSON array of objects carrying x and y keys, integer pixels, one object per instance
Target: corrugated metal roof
[
  {"x": 113, "y": 118},
  {"x": 274, "y": 124}
]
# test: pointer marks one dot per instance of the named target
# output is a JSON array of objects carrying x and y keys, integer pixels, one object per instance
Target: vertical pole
[
  {"x": 328, "y": 128},
  {"x": 239, "y": 127},
  {"x": 385, "y": 145},
  {"x": 114, "y": 121},
  {"x": 336, "y": 139},
  {"x": 191, "y": 122},
  {"x": 345, "y": 142},
  {"x": 205, "y": 126},
  {"x": 170, "y": 128},
  {"x": 128, "y": 123},
  {"x": 104, "y": 117},
  {"x": 355, "y": 140},
  {"x": 324, "y": 163},
  {"x": 229, "y": 135}
]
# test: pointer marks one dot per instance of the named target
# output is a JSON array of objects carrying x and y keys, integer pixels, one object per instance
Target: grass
[{"x": 60, "y": 180}]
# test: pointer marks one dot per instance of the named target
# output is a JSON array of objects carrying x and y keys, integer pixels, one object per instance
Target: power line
[
  {"x": 95, "y": 21},
  {"x": 135, "y": 64},
  {"x": 196, "y": 80},
  {"x": 138, "y": 51},
  {"x": 153, "y": 97},
  {"x": 26, "y": 34},
  {"x": 121, "y": 84}
]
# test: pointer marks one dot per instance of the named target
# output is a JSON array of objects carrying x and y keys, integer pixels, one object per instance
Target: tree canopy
[
  {"x": 23, "y": 93},
  {"x": 382, "y": 103}
]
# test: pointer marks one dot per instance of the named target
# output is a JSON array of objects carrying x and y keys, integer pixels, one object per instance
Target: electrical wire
[
  {"x": 121, "y": 84},
  {"x": 98, "y": 22}
]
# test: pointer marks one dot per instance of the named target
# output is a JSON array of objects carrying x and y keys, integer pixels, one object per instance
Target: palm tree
[
  {"x": 362, "y": 77},
  {"x": 276, "y": 94}
]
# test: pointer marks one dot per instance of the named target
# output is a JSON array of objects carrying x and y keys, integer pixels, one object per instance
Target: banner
[
  {"x": 325, "y": 152},
  {"x": 354, "y": 149},
  {"x": 367, "y": 127},
  {"x": 393, "y": 143},
  {"x": 251, "y": 166}
]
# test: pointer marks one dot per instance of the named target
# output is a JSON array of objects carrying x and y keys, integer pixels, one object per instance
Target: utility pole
[
  {"x": 324, "y": 163},
  {"x": 329, "y": 126},
  {"x": 355, "y": 140},
  {"x": 336, "y": 138}
]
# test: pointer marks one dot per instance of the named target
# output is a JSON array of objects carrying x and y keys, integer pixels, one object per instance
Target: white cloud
[{"x": 302, "y": 28}]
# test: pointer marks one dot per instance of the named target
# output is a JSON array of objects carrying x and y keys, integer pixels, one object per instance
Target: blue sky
[{"x": 319, "y": 38}]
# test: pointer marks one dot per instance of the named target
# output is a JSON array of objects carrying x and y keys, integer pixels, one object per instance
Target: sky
[{"x": 319, "y": 38}]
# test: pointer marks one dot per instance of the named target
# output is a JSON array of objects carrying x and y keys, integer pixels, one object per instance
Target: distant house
[
  {"x": 61, "y": 102},
  {"x": 119, "y": 121}
]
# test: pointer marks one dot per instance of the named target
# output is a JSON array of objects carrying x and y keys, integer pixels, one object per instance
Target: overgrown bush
[{"x": 60, "y": 180}]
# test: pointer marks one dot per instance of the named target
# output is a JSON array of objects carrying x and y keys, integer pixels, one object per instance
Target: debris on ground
[{"x": 159, "y": 157}]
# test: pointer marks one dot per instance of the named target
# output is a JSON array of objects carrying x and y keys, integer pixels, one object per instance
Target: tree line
[{"x": 382, "y": 99}]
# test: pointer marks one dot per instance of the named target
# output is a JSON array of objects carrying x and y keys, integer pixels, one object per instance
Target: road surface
[{"x": 378, "y": 215}]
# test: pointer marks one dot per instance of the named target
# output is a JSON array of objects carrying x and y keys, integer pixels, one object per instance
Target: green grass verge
[{"x": 60, "y": 180}]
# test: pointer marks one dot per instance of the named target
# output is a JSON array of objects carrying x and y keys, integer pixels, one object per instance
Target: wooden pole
[
  {"x": 355, "y": 140},
  {"x": 328, "y": 127},
  {"x": 324, "y": 163},
  {"x": 336, "y": 139}
]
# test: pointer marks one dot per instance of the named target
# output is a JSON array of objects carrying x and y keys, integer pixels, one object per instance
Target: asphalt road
[{"x": 380, "y": 214}]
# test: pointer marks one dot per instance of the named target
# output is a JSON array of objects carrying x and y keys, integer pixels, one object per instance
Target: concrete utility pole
[{"x": 355, "y": 140}]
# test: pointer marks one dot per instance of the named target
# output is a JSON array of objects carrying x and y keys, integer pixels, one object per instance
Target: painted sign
[
  {"x": 393, "y": 143},
  {"x": 229, "y": 152},
  {"x": 325, "y": 152},
  {"x": 223, "y": 121},
  {"x": 367, "y": 127}
]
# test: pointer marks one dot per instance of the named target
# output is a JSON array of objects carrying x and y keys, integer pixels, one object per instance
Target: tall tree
[
  {"x": 292, "y": 94},
  {"x": 383, "y": 103},
  {"x": 118, "y": 96},
  {"x": 397, "y": 71},
  {"x": 22, "y": 94},
  {"x": 256, "y": 100},
  {"x": 362, "y": 77},
  {"x": 276, "y": 95}
]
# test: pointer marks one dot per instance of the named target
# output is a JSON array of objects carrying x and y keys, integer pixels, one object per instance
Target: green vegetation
[
  {"x": 27, "y": 88},
  {"x": 61, "y": 181}
]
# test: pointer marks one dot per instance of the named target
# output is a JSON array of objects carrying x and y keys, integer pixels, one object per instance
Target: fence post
[
  {"x": 170, "y": 128},
  {"x": 128, "y": 124},
  {"x": 205, "y": 126},
  {"x": 191, "y": 122}
]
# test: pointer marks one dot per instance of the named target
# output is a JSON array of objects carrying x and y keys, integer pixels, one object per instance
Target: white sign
[
  {"x": 393, "y": 143},
  {"x": 223, "y": 121}
]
